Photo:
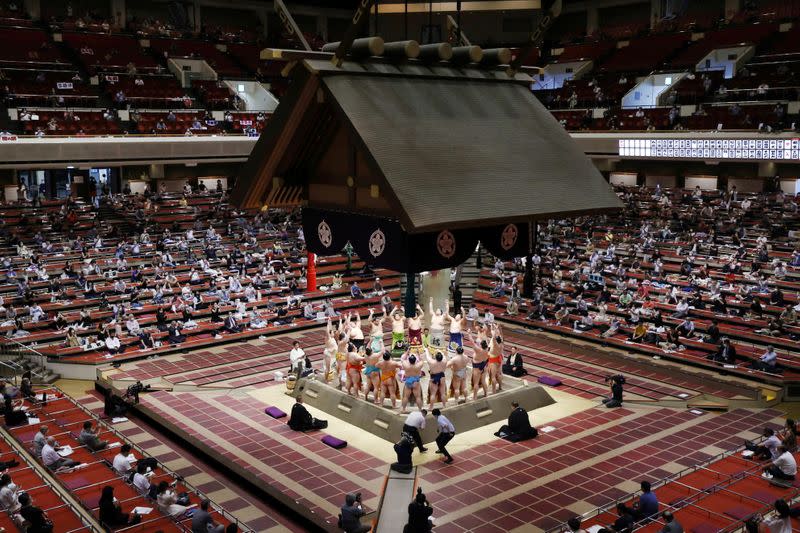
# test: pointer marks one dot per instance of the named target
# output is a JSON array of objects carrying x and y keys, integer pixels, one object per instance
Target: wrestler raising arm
[
  {"x": 372, "y": 373},
  {"x": 437, "y": 386},
  {"x": 456, "y": 325},
  {"x": 458, "y": 382},
  {"x": 479, "y": 361},
  {"x": 496, "y": 358},
  {"x": 388, "y": 369},
  {"x": 330, "y": 348},
  {"x": 354, "y": 367},
  {"x": 412, "y": 368},
  {"x": 437, "y": 325},
  {"x": 398, "y": 326}
]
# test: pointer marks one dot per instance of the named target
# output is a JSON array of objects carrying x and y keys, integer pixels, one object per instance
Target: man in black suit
[
  {"x": 513, "y": 364},
  {"x": 519, "y": 426}
]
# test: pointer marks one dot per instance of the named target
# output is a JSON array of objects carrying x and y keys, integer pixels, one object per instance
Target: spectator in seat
[
  {"x": 647, "y": 507},
  {"x": 36, "y": 520},
  {"x": 52, "y": 459},
  {"x": 111, "y": 514},
  {"x": 355, "y": 291},
  {"x": 171, "y": 117},
  {"x": 140, "y": 480},
  {"x": 9, "y": 494},
  {"x": 513, "y": 365},
  {"x": 670, "y": 524},
  {"x": 88, "y": 437},
  {"x": 202, "y": 521},
  {"x": 767, "y": 450},
  {"x": 783, "y": 467},
  {"x": 623, "y": 524}
]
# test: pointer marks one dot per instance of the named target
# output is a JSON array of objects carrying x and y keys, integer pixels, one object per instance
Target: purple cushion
[
  {"x": 547, "y": 380},
  {"x": 705, "y": 528},
  {"x": 333, "y": 442},
  {"x": 274, "y": 412}
]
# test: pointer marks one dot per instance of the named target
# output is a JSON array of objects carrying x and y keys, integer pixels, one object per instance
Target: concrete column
[
  {"x": 592, "y": 18},
  {"x": 322, "y": 26},
  {"x": 732, "y": 7},
  {"x": 198, "y": 17},
  {"x": 118, "y": 14},
  {"x": 34, "y": 8},
  {"x": 656, "y": 12}
]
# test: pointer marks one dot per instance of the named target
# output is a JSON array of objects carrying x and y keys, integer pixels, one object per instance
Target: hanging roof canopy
[{"x": 432, "y": 146}]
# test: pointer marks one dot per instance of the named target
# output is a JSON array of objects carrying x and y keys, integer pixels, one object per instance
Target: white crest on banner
[
  {"x": 446, "y": 244},
  {"x": 377, "y": 243},
  {"x": 324, "y": 233},
  {"x": 509, "y": 237}
]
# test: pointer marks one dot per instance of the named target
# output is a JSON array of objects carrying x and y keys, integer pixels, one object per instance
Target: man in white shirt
[
  {"x": 769, "y": 361},
  {"x": 52, "y": 459},
  {"x": 446, "y": 433},
  {"x": 113, "y": 344},
  {"x": 415, "y": 421},
  {"x": 297, "y": 358},
  {"x": 769, "y": 448},
  {"x": 122, "y": 465},
  {"x": 783, "y": 467}
]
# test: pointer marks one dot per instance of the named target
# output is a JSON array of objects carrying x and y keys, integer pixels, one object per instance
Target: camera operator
[
  {"x": 419, "y": 514},
  {"x": 616, "y": 383},
  {"x": 351, "y": 513},
  {"x": 134, "y": 390}
]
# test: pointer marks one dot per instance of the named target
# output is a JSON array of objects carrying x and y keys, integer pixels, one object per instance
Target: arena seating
[
  {"x": 222, "y": 64},
  {"x": 721, "y": 494},
  {"x": 48, "y": 88},
  {"x": 78, "y": 122},
  {"x": 745, "y": 331},
  {"x": 45, "y": 495},
  {"x": 184, "y": 120},
  {"x": 750, "y": 34},
  {"x": 29, "y": 48},
  {"x": 585, "y": 52},
  {"x": 215, "y": 94},
  {"x": 156, "y": 91},
  {"x": 109, "y": 53},
  {"x": 644, "y": 53},
  {"x": 65, "y": 418}
]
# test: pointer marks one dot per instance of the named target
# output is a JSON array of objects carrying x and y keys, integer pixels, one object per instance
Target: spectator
[
  {"x": 36, "y": 520},
  {"x": 780, "y": 522},
  {"x": 623, "y": 524},
  {"x": 89, "y": 438},
  {"x": 52, "y": 459},
  {"x": 202, "y": 521},
  {"x": 168, "y": 502},
  {"x": 648, "y": 503},
  {"x": 9, "y": 494},
  {"x": 783, "y": 467},
  {"x": 767, "y": 450},
  {"x": 670, "y": 524},
  {"x": 111, "y": 514}
]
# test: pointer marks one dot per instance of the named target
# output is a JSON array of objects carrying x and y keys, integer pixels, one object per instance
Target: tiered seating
[
  {"x": 81, "y": 122},
  {"x": 692, "y": 91},
  {"x": 243, "y": 121},
  {"x": 65, "y": 419},
  {"x": 699, "y": 16},
  {"x": 44, "y": 494},
  {"x": 645, "y": 53},
  {"x": 184, "y": 120},
  {"x": 657, "y": 118},
  {"x": 749, "y": 117},
  {"x": 746, "y": 332},
  {"x": 585, "y": 52},
  {"x": 223, "y": 65},
  {"x": 38, "y": 87},
  {"x": 720, "y": 494},
  {"x": 158, "y": 92},
  {"x": 216, "y": 95},
  {"x": 750, "y": 34},
  {"x": 29, "y": 48},
  {"x": 109, "y": 53}
]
